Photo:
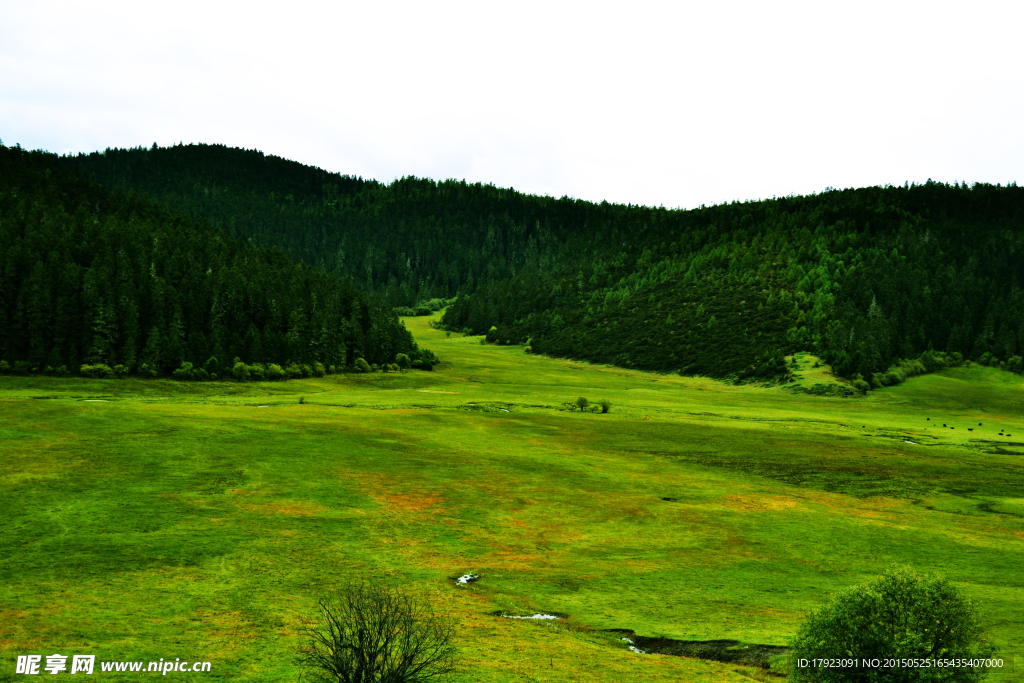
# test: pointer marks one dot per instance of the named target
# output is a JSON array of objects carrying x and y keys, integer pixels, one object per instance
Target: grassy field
[{"x": 147, "y": 519}]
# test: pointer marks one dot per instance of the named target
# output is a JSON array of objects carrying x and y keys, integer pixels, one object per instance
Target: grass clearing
[{"x": 148, "y": 519}]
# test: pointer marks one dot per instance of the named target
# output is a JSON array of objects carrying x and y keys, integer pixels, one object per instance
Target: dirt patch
[{"x": 727, "y": 651}]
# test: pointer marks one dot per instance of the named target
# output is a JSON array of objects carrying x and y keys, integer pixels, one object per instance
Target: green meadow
[{"x": 152, "y": 518}]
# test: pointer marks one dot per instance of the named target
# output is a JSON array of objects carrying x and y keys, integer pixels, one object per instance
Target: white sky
[{"x": 659, "y": 103}]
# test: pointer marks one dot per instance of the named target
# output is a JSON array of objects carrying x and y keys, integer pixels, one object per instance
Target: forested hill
[
  {"x": 862, "y": 277},
  {"x": 97, "y": 277}
]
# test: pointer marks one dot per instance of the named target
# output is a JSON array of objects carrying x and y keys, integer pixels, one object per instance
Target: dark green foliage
[
  {"x": 361, "y": 365},
  {"x": 93, "y": 278},
  {"x": 582, "y": 403},
  {"x": 605, "y": 404},
  {"x": 901, "y": 615},
  {"x": 863, "y": 278}
]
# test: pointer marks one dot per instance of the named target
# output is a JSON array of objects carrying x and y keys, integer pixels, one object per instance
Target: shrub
[
  {"x": 257, "y": 372},
  {"x": 318, "y": 369},
  {"x": 200, "y": 375},
  {"x": 275, "y": 373},
  {"x": 417, "y": 364},
  {"x": 528, "y": 349},
  {"x": 98, "y": 371},
  {"x": 582, "y": 403},
  {"x": 369, "y": 632},
  {"x": 900, "y": 615},
  {"x": 861, "y": 385},
  {"x": 240, "y": 371},
  {"x": 393, "y": 367},
  {"x": 5, "y": 367},
  {"x": 183, "y": 373},
  {"x": 402, "y": 361},
  {"x": 147, "y": 371},
  {"x": 605, "y": 404},
  {"x": 492, "y": 334},
  {"x": 361, "y": 365},
  {"x": 120, "y": 371},
  {"x": 293, "y": 371},
  {"x": 211, "y": 365},
  {"x": 306, "y": 370},
  {"x": 1015, "y": 364}
]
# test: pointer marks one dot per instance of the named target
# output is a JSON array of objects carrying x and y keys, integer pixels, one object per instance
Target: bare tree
[{"x": 370, "y": 633}]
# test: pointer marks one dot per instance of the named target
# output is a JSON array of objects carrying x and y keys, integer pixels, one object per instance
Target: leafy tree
[
  {"x": 370, "y": 632},
  {"x": 900, "y": 615},
  {"x": 605, "y": 404},
  {"x": 582, "y": 403}
]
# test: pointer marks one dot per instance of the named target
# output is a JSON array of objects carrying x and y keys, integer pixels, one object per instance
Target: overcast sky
[{"x": 678, "y": 104}]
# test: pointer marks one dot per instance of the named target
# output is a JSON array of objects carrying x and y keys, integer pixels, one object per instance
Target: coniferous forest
[
  {"x": 95, "y": 278},
  {"x": 863, "y": 277}
]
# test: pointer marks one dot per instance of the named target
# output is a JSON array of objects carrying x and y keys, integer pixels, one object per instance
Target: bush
[
  {"x": 393, "y": 367},
  {"x": 240, "y": 371},
  {"x": 605, "y": 404},
  {"x": 417, "y": 364},
  {"x": 528, "y": 349},
  {"x": 492, "y": 334},
  {"x": 402, "y": 361},
  {"x": 318, "y": 369},
  {"x": 147, "y": 371},
  {"x": 98, "y": 371},
  {"x": 120, "y": 371},
  {"x": 306, "y": 370},
  {"x": 582, "y": 403},
  {"x": 293, "y": 371},
  {"x": 361, "y": 365},
  {"x": 275, "y": 373},
  {"x": 900, "y": 615},
  {"x": 257, "y": 372},
  {"x": 5, "y": 367},
  {"x": 370, "y": 632},
  {"x": 184, "y": 373}
]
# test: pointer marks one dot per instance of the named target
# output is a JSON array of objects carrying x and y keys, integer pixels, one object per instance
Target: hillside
[
  {"x": 860, "y": 277},
  {"x": 93, "y": 276}
]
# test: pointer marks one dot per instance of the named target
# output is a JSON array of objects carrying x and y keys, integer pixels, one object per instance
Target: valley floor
[{"x": 147, "y": 519}]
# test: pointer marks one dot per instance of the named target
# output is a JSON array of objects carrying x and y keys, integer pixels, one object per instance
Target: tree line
[
  {"x": 90, "y": 276},
  {"x": 862, "y": 277}
]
